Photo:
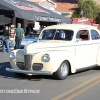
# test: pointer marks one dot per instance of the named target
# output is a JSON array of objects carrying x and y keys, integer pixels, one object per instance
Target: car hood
[{"x": 46, "y": 45}]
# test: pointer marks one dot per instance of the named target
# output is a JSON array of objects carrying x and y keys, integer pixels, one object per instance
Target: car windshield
[{"x": 54, "y": 34}]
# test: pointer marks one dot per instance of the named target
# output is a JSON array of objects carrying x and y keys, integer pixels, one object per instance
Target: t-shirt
[
  {"x": 19, "y": 32},
  {"x": 6, "y": 33}
]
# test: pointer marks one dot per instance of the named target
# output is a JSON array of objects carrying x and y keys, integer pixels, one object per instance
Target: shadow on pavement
[{"x": 11, "y": 75}]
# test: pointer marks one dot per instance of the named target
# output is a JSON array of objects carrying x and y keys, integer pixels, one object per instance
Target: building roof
[
  {"x": 65, "y": 5},
  {"x": 98, "y": 1},
  {"x": 30, "y": 11}
]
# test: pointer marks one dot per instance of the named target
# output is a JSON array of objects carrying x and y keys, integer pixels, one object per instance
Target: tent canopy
[
  {"x": 30, "y": 11},
  {"x": 4, "y": 20}
]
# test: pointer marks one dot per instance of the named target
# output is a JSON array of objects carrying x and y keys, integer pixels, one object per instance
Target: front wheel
[{"x": 62, "y": 71}]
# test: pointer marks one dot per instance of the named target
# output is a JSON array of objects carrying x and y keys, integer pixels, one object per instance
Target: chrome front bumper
[{"x": 29, "y": 71}]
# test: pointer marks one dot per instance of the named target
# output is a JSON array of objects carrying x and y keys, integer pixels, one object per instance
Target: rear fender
[{"x": 98, "y": 57}]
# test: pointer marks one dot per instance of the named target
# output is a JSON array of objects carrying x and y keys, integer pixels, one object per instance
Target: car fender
[
  {"x": 19, "y": 57},
  {"x": 56, "y": 58},
  {"x": 98, "y": 57}
]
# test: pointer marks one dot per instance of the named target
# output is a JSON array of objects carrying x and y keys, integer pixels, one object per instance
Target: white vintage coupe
[{"x": 59, "y": 50}]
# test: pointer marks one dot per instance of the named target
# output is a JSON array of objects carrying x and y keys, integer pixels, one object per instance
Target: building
[
  {"x": 97, "y": 1},
  {"x": 64, "y": 7},
  {"x": 29, "y": 13}
]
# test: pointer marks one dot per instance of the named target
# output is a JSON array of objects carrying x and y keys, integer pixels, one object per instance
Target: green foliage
[
  {"x": 75, "y": 14},
  {"x": 87, "y": 8}
]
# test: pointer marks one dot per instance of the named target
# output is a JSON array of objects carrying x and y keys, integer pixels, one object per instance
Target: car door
[
  {"x": 83, "y": 48},
  {"x": 95, "y": 40}
]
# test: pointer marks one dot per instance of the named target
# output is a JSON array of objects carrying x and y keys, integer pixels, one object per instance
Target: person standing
[
  {"x": 19, "y": 34},
  {"x": 5, "y": 38}
]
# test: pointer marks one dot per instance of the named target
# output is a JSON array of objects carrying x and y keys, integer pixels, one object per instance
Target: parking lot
[{"x": 80, "y": 86}]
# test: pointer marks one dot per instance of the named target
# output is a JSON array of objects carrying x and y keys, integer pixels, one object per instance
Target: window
[
  {"x": 63, "y": 35},
  {"x": 48, "y": 35},
  {"x": 94, "y": 35},
  {"x": 54, "y": 34},
  {"x": 83, "y": 35}
]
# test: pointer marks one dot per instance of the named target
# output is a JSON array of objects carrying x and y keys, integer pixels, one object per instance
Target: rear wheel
[{"x": 62, "y": 71}]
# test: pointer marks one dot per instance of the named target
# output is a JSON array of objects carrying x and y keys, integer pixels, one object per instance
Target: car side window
[
  {"x": 63, "y": 35},
  {"x": 94, "y": 35},
  {"x": 48, "y": 34},
  {"x": 83, "y": 35}
]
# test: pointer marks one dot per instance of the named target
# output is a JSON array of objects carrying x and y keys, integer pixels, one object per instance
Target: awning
[
  {"x": 4, "y": 20},
  {"x": 30, "y": 11}
]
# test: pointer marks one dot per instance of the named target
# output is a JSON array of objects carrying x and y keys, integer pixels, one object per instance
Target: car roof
[{"x": 69, "y": 26}]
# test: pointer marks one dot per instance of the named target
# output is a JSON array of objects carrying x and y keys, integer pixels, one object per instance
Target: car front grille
[
  {"x": 37, "y": 66},
  {"x": 28, "y": 61},
  {"x": 20, "y": 65}
]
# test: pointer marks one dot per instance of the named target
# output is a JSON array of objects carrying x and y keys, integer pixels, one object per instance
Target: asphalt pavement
[{"x": 80, "y": 86}]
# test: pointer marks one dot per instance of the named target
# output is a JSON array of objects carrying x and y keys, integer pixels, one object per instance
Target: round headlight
[
  {"x": 46, "y": 57},
  {"x": 12, "y": 55}
]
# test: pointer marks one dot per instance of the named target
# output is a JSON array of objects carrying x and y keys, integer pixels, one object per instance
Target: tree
[{"x": 87, "y": 8}]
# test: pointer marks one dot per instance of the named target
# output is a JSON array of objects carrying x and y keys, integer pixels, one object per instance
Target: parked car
[
  {"x": 23, "y": 43},
  {"x": 27, "y": 40},
  {"x": 1, "y": 42},
  {"x": 59, "y": 50}
]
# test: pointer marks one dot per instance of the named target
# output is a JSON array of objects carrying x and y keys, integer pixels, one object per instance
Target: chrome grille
[
  {"x": 28, "y": 61},
  {"x": 20, "y": 65},
  {"x": 37, "y": 66}
]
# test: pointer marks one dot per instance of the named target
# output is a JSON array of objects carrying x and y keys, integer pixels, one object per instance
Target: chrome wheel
[
  {"x": 1, "y": 43},
  {"x": 64, "y": 69}
]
